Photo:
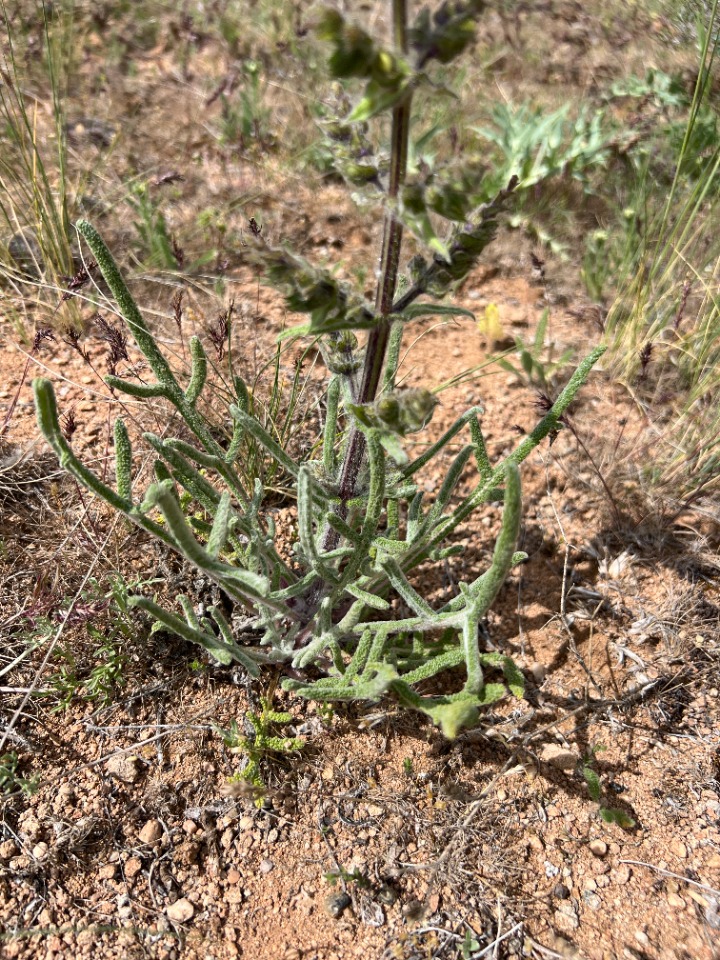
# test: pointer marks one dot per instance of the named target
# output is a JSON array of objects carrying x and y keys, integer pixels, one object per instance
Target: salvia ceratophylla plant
[{"x": 361, "y": 522}]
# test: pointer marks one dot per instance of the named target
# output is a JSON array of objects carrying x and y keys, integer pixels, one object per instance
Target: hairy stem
[{"x": 392, "y": 242}]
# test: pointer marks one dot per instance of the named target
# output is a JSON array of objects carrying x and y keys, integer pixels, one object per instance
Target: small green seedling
[
  {"x": 594, "y": 785},
  {"x": 11, "y": 781},
  {"x": 259, "y": 745},
  {"x": 537, "y": 365}
]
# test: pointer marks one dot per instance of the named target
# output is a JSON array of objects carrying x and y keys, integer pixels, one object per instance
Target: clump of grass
[
  {"x": 664, "y": 326},
  {"x": 36, "y": 250}
]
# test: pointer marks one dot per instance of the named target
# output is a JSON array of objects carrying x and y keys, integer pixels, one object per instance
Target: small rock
[
  {"x": 181, "y": 911},
  {"x": 413, "y": 910},
  {"x": 642, "y": 938},
  {"x": 566, "y": 917},
  {"x": 676, "y": 901},
  {"x": 678, "y": 849},
  {"x": 713, "y": 863},
  {"x": 40, "y": 851},
  {"x": 336, "y": 904},
  {"x": 559, "y": 757},
  {"x": 151, "y": 832},
  {"x": 538, "y": 672},
  {"x": 129, "y": 769},
  {"x": 107, "y": 872},
  {"x": 598, "y": 848},
  {"x": 560, "y": 891},
  {"x": 189, "y": 827},
  {"x": 622, "y": 874},
  {"x": 266, "y": 866},
  {"x": 133, "y": 867},
  {"x": 592, "y": 900},
  {"x": 233, "y": 875},
  {"x": 65, "y": 798},
  {"x": 30, "y": 826},
  {"x": 8, "y": 849}
]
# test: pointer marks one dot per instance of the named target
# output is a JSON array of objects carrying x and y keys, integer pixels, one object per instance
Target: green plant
[
  {"x": 10, "y": 780},
  {"x": 362, "y": 528},
  {"x": 257, "y": 746},
  {"x": 100, "y": 683},
  {"x": 663, "y": 328},
  {"x": 347, "y": 876},
  {"x": 470, "y": 944},
  {"x": 157, "y": 248},
  {"x": 535, "y": 146},
  {"x": 35, "y": 244},
  {"x": 245, "y": 114},
  {"x": 592, "y": 781},
  {"x": 537, "y": 370}
]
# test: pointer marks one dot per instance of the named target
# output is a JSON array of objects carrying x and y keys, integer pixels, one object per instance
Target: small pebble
[
  {"x": 559, "y": 757},
  {"x": 676, "y": 901},
  {"x": 181, "y": 911},
  {"x": 622, "y": 875},
  {"x": 151, "y": 832},
  {"x": 566, "y": 918},
  {"x": 8, "y": 849},
  {"x": 336, "y": 904},
  {"x": 129, "y": 769},
  {"x": 413, "y": 910},
  {"x": 592, "y": 900},
  {"x": 678, "y": 849},
  {"x": 598, "y": 848},
  {"x": 266, "y": 866},
  {"x": 133, "y": 867}
]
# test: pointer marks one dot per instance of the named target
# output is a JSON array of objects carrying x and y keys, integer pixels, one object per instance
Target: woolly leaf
[{"x": 618, "y": 817}]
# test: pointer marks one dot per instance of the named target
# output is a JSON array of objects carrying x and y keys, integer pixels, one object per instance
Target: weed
[
  {"x": 534, "y": 146},
  {"x": 469, "y": 945},
  {"x": 11, "y": 781},
  {"x": 157, "y": 248},
  {"x": 347, "y": 876},
  {"x": 361, "y": 526},
  {"x": 259, "y": 744},
  {"x": 245, "y": 115},
  {"x": 98, "y": 684},
  {"x": 594, "y": 785},
  {"x": 538, "y": 368}
]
